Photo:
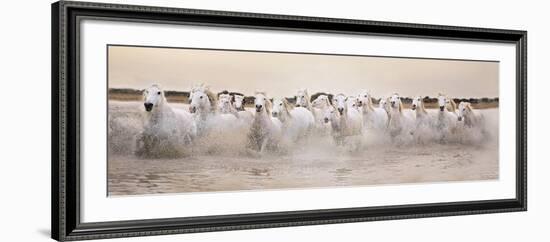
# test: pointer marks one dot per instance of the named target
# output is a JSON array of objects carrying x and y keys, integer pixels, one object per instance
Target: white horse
[
  {"x": 384, "y": 104},
  {"x": 297, "y": 122},
  {"x": 423, "y": 123},
  {"x": 303, "y": 99},
  {"x": 202, "y": 102},
  {"x": 472, "y": 129},
  {"x": 353, "y": 102},
  {"x": 265, "y": 131},
  {"x": 321, "y": 105},
  {"x": 399, "y": 125},
  {"x": 347, "y": 121},
  {"x": 244, "y": 115},
  {"x": 225, "y": 106},
  {"x": 227, "y": 114},
  {"x": 166, "y": 129},
  {"x": 321, "y": 102},
  {"x": 203, "y": 106},
  {"x": 373, "y": 117},
  {"x": 467, "y": 114},
  {"x": 446, "y": 117}
]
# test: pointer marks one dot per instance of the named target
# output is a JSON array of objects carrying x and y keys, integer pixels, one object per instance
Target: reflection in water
[{"x": 315, "y": 164}]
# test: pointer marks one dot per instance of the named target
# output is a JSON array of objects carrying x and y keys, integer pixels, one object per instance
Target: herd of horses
[{"x": 271, "y": 122}]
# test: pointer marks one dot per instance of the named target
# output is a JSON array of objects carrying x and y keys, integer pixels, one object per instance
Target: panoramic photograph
[{"x": 185, "y": 120}]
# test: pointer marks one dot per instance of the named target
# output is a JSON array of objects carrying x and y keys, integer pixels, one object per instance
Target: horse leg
[{"x": 263, "y": 145}]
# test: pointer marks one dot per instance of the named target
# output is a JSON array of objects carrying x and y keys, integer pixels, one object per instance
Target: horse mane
[
  {"x": 400, "y": 102},
  {"x": 213, "y": 98},
  {"x": 268, "y": 106},
  {"x": 453, "y": 105},
  {"x": 287, "y": 107},
  {"x": 469, "y": 107},
  {"x": 369, "y": 102},
  {"x": 422, "y": 108}
]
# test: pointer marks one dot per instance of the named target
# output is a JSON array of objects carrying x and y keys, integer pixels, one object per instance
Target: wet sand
[{"x": 316, "y": 163}]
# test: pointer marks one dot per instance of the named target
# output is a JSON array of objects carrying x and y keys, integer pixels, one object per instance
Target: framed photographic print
[{"x": 169, "y": 120}]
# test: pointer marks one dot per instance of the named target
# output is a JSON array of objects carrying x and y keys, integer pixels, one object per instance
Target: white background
[{"x": 25, "y": 125}]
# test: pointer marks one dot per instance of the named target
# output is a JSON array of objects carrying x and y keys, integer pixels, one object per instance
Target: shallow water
[{"x": 225, "y": 166}]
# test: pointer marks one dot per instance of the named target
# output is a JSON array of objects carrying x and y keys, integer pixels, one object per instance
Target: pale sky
[{"x": 281, "y": 74}]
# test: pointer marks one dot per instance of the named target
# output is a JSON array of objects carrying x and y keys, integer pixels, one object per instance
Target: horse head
[
  {"x": 443, "y": 101},
  {"x": 281, "y": 109},
  {"x": 383, "y": 103},
  {"x": 464, "y": 110},
  {"x": 364, "y": 99},
  {"x": 262, "y": 103},
  {"x": 153, "y": 97},
  {"x": 302, "y": 98},
  {"x": 238, "y": 101},
  {"x": 224, "y": 103},
  {"x": 321, "y": 102},
  {"x": 202, "y": 100},
  {"x": 353, "y": 102},
  {"x": 330, "y": 114},
  {"x": 340, "y": 103},
  {"x": 395, "y": 102}
]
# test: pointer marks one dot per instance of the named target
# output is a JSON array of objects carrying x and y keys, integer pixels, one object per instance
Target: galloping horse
[
  {"x": 297, "y": 122},
  {"x": 373, "y": 117},
  {"x": 166, "y": 130},
  {"x": 265, "y": 131}
]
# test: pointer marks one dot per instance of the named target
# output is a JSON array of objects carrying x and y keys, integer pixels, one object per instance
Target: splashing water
[{"x": 220, "y": 161}]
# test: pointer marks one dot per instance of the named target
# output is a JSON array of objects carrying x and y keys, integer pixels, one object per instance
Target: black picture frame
[{"x": 66, "y": 224}]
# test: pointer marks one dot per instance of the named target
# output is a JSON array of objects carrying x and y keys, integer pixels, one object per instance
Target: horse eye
[
  {"x": 280, "y": 104},
  {"x": 201, "y": 97},
  {"x": 158, "y": 93}
]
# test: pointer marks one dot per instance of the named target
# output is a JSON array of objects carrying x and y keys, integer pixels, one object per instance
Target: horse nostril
[
  {"x": 148, "y": 106},
  {"x": 326, "y": 120}
]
